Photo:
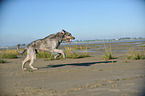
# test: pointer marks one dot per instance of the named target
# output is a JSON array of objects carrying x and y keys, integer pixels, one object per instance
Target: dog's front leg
[{"x": 59, "y": 53}]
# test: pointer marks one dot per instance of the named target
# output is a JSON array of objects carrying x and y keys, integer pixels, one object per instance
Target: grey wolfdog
[{"x": 48, "y": 44}]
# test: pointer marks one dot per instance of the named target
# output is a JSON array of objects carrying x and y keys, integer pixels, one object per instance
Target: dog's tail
[{"x": 20, "y": 51}]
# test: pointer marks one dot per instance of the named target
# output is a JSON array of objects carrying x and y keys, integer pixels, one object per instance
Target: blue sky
[{"x": 23, "y": 21}]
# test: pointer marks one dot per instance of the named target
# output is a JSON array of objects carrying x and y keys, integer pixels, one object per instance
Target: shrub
[
  {"x": 9, "y": 56},
  {"x": 9, "y": 53},
  {"x": 136, "y": 54},
  {"x": 108, "y": 53},
  {"x": 142, "y": 46},
  {"x": 3, "y": 61}
]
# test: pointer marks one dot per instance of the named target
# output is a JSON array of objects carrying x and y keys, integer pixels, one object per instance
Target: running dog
[{"x": 48, "y": 44}]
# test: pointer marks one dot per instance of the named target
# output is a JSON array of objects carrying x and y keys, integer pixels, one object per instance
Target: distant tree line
[{"x": 124, "y": 38}]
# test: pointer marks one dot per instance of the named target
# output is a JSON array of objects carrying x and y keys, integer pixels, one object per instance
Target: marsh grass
[
  {"x": 76, "y": 47},
  {"x": 142, "y": 46},
  {"x": 9, "y": 56},
  {"x": 45, "y": 55},
  {"x": 74, "y": 52},
  {"x": 108, "y": 53},
  {"x": 71, "y": 52},
  {"x": 136, "y": 54},
  {"x": 3, "y": 61},
  {"x": 9, "y": 53}
]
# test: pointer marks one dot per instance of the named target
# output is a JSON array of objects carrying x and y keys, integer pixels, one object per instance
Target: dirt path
[{"x": 74, "y": 77}]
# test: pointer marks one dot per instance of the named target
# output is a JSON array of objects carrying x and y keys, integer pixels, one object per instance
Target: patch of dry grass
[
  {"x": 71, "y": 52},
  {"x": 3, "y": 61},
  {"x": 9, "y": 53},
  {"x": 108, "y": 53},
  {"x": 74, "y": 53},
  {"x": 136, "y": 54}
]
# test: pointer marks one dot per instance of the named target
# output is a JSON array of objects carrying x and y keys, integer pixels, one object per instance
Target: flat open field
[{"x": 90, "y": 76}]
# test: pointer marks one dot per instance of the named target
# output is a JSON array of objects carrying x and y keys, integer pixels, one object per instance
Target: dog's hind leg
[
  {"x": 24, "y": 61},
  {"x": 32, "y": 61}
]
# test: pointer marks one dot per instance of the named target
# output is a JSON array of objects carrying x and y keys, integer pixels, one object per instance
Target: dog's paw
[
  {"x": 55, "y": 57},
  {"x": 24, "y": 69},
  {"x": 64, "y": 57}
]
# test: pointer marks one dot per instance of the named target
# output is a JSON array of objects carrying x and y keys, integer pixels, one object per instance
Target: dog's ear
[{"x": 63, "y": 31}]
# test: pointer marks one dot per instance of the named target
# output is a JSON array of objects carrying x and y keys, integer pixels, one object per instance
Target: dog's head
[{"x": 67, "y": 36}]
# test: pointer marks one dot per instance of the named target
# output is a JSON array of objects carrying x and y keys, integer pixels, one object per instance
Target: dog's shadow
[{"x": 77, "y": 64}]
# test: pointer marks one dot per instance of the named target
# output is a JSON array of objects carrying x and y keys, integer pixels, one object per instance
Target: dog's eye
[{"x": 69, "y": 35}]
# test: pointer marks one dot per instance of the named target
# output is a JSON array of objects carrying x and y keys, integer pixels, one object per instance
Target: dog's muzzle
[
  {"x": 68, "y": 39},
  {"x": 73, "y": 38}
]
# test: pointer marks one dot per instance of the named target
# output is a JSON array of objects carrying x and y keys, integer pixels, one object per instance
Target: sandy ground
[{"x": 91, "y": 76}]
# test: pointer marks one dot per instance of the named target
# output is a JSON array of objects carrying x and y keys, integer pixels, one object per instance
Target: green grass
[
  {"x": 108, "y": 53},
  {"x": 136, "y": 55}
]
